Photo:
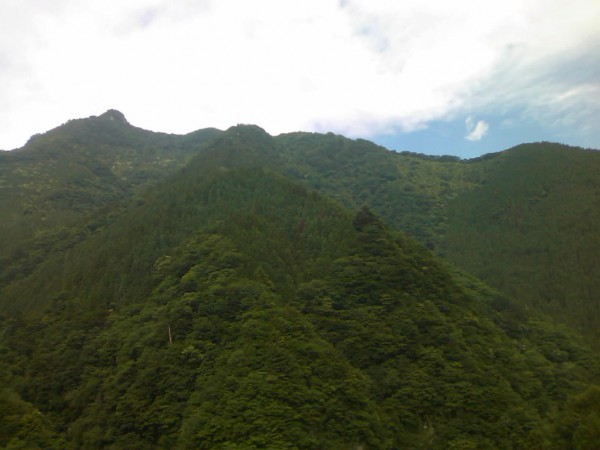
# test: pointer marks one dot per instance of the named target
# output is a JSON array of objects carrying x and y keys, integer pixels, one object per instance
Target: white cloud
[
  {"x": 476, "y": 131},
  {"x": 357, "y": 67}
]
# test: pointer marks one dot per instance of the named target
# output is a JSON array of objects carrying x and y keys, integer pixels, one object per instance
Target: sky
[{"x": 461, "y": 77}]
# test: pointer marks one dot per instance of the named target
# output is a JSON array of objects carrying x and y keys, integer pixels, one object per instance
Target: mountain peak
[{"x": 113, "y": 114}]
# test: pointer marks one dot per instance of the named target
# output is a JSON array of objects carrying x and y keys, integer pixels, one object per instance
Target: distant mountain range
[{"x": 234, "y": 290}]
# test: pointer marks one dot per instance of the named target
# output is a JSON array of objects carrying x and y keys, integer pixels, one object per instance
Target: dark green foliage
[
  {"x": 61, "y": 185},
  {"x": 531, "y": 231},
  {"x": 578, "y": 424},
  {"x": 523, "y": 220},
  {"x": 22, "y": 425},
  {"x": 225, "y": 305},
  {"x": 380, "y": 349},
  {"x": 409, "y": 190}
]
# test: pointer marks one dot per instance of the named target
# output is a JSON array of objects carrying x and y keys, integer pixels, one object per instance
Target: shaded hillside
[
  {"x": 532, "y": 230},
  {"x": 230, "y": 307}
]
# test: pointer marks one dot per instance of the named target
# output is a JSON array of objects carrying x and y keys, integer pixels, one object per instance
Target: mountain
[
  {"x": 531, "y": 231},
  {"x": 523, "y": 220},
  {"x": 73, "y": 176},
  {"x": 242, "y": 299}
]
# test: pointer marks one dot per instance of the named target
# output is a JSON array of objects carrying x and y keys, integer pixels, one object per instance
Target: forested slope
[
  {"x": 228, "y": 306},
  {"x": 531, "y": 230},
  {"x": 524, "y": 220},
  {"x": 61, "y": 185}
]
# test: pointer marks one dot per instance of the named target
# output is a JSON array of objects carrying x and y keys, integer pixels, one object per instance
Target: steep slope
[
  {"x": 531, "y": 231},
  {"x": 232, "y": 308},
  {"x": 410, "y": 191},
  {"x": 53, "y": 186},
  {"x": 522, "y": 220},
  {"x": 157, "y": 219}
]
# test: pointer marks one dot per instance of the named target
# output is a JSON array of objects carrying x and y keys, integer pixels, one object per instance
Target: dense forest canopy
[{"x": 233, "y": 290}]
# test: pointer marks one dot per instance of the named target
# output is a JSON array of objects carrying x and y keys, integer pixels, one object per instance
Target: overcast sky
[{"x": 461, "y": 77}]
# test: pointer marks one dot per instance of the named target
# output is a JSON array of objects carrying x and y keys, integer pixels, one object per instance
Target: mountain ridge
[
  {"x": 266, "y": 292},
  {"x": 412, "y": 192}
]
